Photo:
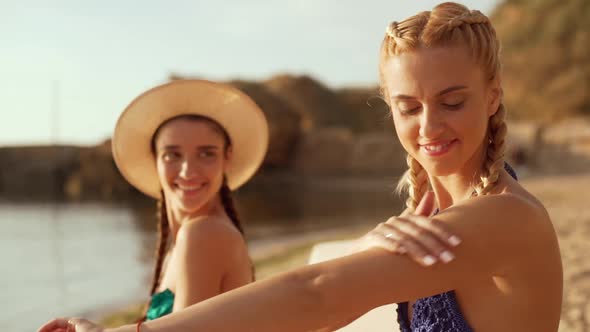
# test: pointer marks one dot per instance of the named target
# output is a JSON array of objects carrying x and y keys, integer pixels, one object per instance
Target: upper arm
[
  {"x": 205, "y": 251},
  {"x": 498, "y": 233}
]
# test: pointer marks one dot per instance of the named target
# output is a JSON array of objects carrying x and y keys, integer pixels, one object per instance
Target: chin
[
  {"x": 441, "y": 170},
  {"x": 440, "y": 167},
  {"x": 192, "y": 206}
]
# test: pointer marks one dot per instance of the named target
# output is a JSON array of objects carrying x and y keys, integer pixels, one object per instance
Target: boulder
[{"x": 318, "y": 105}]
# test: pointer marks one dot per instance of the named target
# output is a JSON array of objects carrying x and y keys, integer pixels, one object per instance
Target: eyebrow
[
  {"x": 200, "y": 147},
  {"x": 445, "y": 91}
]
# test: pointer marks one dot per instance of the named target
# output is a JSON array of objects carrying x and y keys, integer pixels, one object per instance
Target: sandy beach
[{"x": 566, "y": 199}]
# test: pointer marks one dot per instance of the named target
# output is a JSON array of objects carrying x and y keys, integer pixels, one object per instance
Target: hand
[
  {"x": 416, "y": 235},
  {"x": 70, "y": 325}
]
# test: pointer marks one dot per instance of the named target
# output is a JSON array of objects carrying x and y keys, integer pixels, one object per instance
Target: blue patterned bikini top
[{"x": 439, "y": 312}]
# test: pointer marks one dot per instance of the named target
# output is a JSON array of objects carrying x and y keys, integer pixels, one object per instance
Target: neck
[
  {"x": 453, "y": 188},
  {"x": 176, "y": 217}
]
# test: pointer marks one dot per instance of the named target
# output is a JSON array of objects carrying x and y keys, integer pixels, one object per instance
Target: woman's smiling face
[
  {"x": 191, "y": 160},
  {"x": 440, "y": 104}
]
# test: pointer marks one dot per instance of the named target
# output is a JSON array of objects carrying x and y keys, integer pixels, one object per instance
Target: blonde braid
[
  {"x": 400, "y": 38},
  {"x": 470, "y": 17},
  {"x": 494, "y": 162},
  {"x": 414, "y": 181},
  {"x": 405, "y": 35}
]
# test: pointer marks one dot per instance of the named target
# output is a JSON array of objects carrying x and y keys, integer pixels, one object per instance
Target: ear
[{"x": 495, "y": 94}]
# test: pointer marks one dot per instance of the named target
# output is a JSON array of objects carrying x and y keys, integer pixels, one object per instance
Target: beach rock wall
[
  {"x": 314, "y": 131},
  {"x": 339, "y": 151},
  {"x": 36, "y": 171}
]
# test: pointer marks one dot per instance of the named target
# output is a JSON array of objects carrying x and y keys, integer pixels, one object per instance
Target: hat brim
[{"x": 237, "y": 113}]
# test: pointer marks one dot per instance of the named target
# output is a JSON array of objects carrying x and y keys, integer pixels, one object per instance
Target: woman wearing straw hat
[{"x": 187, "y": 144}]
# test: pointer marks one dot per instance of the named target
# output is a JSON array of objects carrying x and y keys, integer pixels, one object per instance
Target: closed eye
[
  {"x": 409, "y": 111},
  {"x": 454, "y": 106}
]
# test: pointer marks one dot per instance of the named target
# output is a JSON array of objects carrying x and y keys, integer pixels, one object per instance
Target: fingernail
[
  {"x": 454, "y": 240},
  {"x": 401, "y": 250},
  {"x": 447, "y": 256},
  {"x": 428, "y": 260}
]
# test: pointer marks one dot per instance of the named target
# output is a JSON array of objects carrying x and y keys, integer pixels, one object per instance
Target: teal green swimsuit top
[{"x": 160, "y": 305}]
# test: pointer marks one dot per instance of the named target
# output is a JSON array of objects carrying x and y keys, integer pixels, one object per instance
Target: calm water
[
  {"x": 66, "y": 259},
  {"x": 74, "y": 259}
]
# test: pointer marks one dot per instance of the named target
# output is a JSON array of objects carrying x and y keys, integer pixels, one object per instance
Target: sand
[{"x": 567, "y": 198}]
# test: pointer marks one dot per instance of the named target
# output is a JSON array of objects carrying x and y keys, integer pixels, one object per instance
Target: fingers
[
  {"x": 424, "y": 240},
  {"x": 66, "y": 325},
  {"x": 423, "y": 248},
  {"x": 77, "y": 324},
  {"x": 422, "y": 243},
  {"x": 427, "y": 205},
  {"x": 386, "y": 240},
  {"x": 54, "y": 325},
  {"x": 433, "y": 227},
  {"x": 426, "y": 208},
  {"x": 430, "y": 225}
]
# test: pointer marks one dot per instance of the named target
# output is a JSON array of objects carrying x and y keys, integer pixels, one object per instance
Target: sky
[{"x": 69, "y": 67}]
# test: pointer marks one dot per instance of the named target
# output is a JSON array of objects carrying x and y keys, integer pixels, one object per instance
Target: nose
[
  {"x": 188, "y": 169},
  {"x": 431, "y": 123}
]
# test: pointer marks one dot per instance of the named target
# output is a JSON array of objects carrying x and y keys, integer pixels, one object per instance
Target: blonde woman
[{"x": 440, "y": 75}]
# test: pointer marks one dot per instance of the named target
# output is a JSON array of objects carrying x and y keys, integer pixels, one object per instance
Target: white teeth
[
  {"x": 436, "y": 148},
  {"x": 189, "y": 188}
]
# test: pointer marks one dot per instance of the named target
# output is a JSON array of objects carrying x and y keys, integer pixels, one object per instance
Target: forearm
[
  {"x": 315, "y": 296},
  {"x": 289, "y": 302}
]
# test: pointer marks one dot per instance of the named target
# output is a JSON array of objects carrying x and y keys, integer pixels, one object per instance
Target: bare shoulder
[
  {"x": 504, "y": 219},
  {"x": 506, "y": 206},
  {"x": 214, "y": 234},
  {"x": 501, "y": 232},
  {"x": 509, "y": 202}
]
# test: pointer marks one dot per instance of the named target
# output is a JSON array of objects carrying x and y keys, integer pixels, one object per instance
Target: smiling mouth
[
  {"x": 437, "y": 149},
  {"x": 192, "y": 188}
]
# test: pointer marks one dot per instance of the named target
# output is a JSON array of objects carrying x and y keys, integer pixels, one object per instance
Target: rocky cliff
[{"x": 546, "y": 57}]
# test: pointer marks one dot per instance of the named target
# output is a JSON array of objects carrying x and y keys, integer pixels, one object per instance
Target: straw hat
[{"x": 239, "y": 115}]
